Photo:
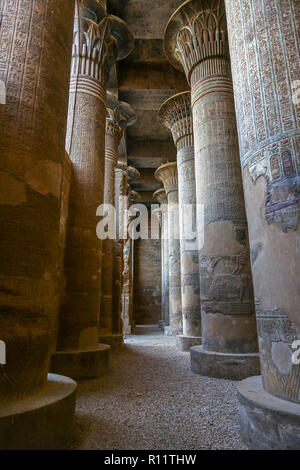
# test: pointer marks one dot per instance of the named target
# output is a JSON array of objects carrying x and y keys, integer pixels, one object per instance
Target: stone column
[
  {"x": 196, "y": 41},
  {"x": 97, "y": 42},
  {"x": 265, "y": 66},
  {"x": 134, "y": 197},
  {"x": 167, "y": 174},
  {"x": 32, "y": 142},
  {"x": 176, "y": 115},
  {"x": 158, "y": 214},
  {"x": 132, "y": 174},
  {"x": 161, "y": 197},
  {"x": 119, "y": 116},
  {"x": 120, "y": 195}
]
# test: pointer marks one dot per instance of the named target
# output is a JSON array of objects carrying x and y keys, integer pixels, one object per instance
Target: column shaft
[
  {"x": 78, "y": 351},
  {"x": 228, "y": 318},
  {"x": 265, "y": 65},
  {"x": 175, "y": 305},
  {"x": 35, "y": 55},
  {"x": 81, "y": 303},
  {"x": 119, "y": 116},
  {"x": 196, "y": 40},
  {"x": 161, "y": 197},
  {"x": 120, "y": 193},
  {"x": 112, "y": 138},
  {"x": 33, "y": 36},
  {"x": 167, "y": 173},
  {"x": 176, "y": 114},
  {"x": 165, "y": 264},
  {"x": 127, "y": 278}
]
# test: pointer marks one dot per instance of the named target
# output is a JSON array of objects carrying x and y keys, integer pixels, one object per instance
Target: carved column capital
[
  {"x": 113, "y": 129},
  {"x": 168, "y": 175},
  {"x": 121, "y": 166},
  {"x": 196, "y": 34},
  {"x": 134, "y": 196},
  {"x": 99, "y": 40},
  {"x": 176, "y": 114},
  {"x": 132, "y": 174},
  {"x": 161, "y": 196},
  {"x": 119, "y": 115}
]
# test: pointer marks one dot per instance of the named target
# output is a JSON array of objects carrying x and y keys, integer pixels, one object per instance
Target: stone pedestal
[
  {"x": 267, "y": 422},
  {"x": 265, "y": 67},
  {"x": 176, "y": 115},
  {"x": 81, "y": 364},
  {"x": 198, "y": 29},
  {"x": 167, "y": 174},
  {"x": 223, "y": 365},
  {"x": 119, "y": 116},
  {"x": 97, "y": 43},
  {"x": 42, "y": 421},
  {"x": 115, "y": 341},
  {"x": 32, "y": 147},
  {"x": 161, "y": 197},
  {"x": 185, "y": 342}
]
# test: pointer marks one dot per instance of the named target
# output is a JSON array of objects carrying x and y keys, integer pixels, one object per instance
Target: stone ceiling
[{"x": 145, "y": 80}]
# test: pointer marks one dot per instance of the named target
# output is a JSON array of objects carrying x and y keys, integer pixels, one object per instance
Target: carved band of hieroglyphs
[
  {"x": 211, "y": 86},
  {"x": 89, "y": 86}
]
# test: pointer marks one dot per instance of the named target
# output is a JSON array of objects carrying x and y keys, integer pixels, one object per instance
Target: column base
[
  {"x": 42, "y": 421},
  {"x": 170, "y": 331},
  {"x": 184, "y": 343},
  {"x": 223, "y": 365},
  {"x": 267, "y": 422},
  {"x": 162, "y": 324},
  {"x": 82, "y": 364},
  {"x": 116, "y": 342}
]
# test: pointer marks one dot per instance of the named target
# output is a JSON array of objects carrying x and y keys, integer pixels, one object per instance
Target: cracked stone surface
[{"x": 151, "y": 400}]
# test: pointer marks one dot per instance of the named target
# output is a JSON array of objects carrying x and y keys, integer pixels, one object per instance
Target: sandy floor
[{"x": 151, "y": 400}]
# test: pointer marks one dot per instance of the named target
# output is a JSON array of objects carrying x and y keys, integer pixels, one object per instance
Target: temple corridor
[
  {"x": 150, "y": 399},
  {"x": 149, "y": 225}
]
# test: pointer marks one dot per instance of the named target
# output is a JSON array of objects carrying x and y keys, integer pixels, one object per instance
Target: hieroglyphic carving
[
  {"x": 167, "y": 173},
  {"x": 32, "y": 155},
  {"x": 196, "y": 40},
  {"x": 176, "y": 114},
  {"x": 119, "y": 115},
  {"x": 265, "y": 63},
  {"x": 161, "y": 197}
]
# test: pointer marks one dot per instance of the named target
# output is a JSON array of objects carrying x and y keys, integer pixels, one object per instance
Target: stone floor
[{"x": 151, "y": 400}]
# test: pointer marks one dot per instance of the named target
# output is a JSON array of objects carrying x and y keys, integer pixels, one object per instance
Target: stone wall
[{"x": 147, "y": 282}]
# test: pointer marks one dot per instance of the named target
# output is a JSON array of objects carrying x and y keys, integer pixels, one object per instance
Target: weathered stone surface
[
  {"x": 120, "y": 194},
  {"x": 119, "y": 115},
  {"x": 115, "y": 341},
  {"x": 147, "y": 282},
  {"x": 267, "y": 422},
  {"x": 42, "y": 421},
  {"x": 168, "y": 175},
  {"x": 265, "y": 66},
  {"x": 225, "y": 276},
  {"x": 33, "y": 36},
  {"x": 81, "y": 364},
  {"x": 223, "y": 365},
  {"x": 99, "y": 40},
  {"x": 176, "y": 114},
  {"x": 80, "y": 305},
  {"x": 184, "y": 342},
  {"x": 128, "y": 250},
  {"x": 161, "y": 197}
]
